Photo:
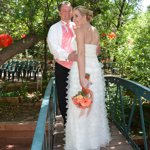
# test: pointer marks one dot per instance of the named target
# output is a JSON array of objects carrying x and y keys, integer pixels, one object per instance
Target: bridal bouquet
[{"x": 84, "y": 98}]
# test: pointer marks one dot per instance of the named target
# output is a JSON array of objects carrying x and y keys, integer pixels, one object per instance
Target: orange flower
[
  {"x": 111, "y": 35},
  {"x": 86, "y": 102},
  {"x": 82, "y": 102},
  {"x": 77, "y": 99},
  {"x": 84, "y": 98}
]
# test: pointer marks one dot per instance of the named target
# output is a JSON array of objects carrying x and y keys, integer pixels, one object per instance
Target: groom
[{"x": 59, "y": 40}]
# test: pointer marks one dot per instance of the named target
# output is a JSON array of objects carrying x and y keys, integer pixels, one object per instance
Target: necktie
[{"x": 69, "y": 29}]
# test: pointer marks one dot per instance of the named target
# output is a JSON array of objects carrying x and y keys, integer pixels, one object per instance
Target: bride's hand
[{"x": 85, "y": 83}]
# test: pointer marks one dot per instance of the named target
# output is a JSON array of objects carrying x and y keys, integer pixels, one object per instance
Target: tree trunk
[
  {"x": 120, "y": 14},
  {"x": 45, "y": 60},
  {"x": 17, "y": 47}
]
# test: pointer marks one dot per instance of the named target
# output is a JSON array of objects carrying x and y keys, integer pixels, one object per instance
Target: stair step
[
  {"x": 14, "y": 147},
  {"x": 10, "y": 126},
  {"x": 16, "y": 136},
  {"x": 14, "y": 140}
]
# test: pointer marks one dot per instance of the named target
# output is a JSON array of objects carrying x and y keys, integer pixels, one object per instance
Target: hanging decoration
[{"x": 5, "y": 40}]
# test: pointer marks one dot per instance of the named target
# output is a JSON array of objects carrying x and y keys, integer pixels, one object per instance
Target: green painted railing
[
  {"x": 124, "y": 99},
  {"x": 43, "y": 136},
  {"x": 125, "y": 102}
]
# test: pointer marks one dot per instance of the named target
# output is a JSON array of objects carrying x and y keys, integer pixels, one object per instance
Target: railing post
[
  {"x": 131, "y": 114},
  {"x": 122, "y": 109},
  {"x": 143, "y": 124}
]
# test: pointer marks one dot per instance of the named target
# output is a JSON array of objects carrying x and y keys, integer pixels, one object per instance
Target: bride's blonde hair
[{"x": 84, "y": 11}]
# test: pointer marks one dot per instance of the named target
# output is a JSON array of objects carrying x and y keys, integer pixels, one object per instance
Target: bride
[{"x": 86, "y": 129}]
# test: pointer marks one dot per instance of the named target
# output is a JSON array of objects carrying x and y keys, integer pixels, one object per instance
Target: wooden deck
[{"x": 118, "y": 141}]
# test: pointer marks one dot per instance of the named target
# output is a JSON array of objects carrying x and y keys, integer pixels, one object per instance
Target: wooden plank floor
[{"x": 118, "y": 141}]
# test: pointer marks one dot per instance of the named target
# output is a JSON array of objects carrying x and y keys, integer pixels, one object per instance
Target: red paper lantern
[{"x": 5, "y": 40}]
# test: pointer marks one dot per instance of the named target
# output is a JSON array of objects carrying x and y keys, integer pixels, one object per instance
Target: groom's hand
[{"x": 73, "y": 56}]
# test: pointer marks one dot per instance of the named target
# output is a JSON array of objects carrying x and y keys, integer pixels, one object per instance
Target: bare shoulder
[
  {"x": 95, "y": 31},
  {"x": 79, "y": 31}
]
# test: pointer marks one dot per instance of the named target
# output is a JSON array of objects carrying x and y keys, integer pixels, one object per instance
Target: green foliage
[
  {"x": 132, "y": 56},
  {"x": 128, "y": 51},
  {"x": 10, "y": 94},
  {"x": 28, "y": 17},
  {"x": 24, "y": 17}
]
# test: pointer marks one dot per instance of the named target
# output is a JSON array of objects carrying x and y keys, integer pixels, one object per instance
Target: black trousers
[{"x": 61, "y": 74}]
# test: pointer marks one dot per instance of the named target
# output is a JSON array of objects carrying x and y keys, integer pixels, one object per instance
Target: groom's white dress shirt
[{"x": 54, "y": 40}]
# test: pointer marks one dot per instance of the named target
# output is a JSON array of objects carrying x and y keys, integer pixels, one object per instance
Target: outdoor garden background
[{"x": 26, "y": 64}]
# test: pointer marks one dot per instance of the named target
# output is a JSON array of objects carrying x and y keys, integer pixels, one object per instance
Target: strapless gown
[{"x": 87, "y": 132}]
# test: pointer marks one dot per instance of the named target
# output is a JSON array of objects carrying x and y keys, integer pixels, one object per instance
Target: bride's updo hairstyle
[{"x": 84, "y": 11}]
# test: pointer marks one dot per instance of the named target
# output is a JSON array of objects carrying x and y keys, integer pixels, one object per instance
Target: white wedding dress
[{"x": 87, "y": 132}]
